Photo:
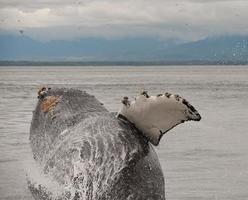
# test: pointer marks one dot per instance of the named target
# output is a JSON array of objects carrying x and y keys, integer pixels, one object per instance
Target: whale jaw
[{"x": 156, "y": 115}]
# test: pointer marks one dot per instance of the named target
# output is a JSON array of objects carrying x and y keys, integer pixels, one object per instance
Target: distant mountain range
[{"x": 222, "y": 49}]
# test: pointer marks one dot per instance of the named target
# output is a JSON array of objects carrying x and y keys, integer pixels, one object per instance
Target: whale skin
[{"x": 88, "y": 153}]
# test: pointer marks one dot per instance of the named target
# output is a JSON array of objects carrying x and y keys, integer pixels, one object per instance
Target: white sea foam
[{"x": 37, "y": 178}]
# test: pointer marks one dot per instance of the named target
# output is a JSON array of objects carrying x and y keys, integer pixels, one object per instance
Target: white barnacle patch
[{"x": 155, "y": 115}]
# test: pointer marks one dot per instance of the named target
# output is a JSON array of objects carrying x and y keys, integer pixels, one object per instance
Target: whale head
[{"x": 155, "y": 115}]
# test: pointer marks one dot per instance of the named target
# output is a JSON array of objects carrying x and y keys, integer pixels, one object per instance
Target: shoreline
[{"x": 119, "y": 63}]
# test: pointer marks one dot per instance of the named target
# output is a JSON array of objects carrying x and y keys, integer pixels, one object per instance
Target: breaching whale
[{"x": 88, "y": 153}]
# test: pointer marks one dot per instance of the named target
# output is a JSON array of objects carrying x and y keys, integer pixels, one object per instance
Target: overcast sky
[{"x": 166, "y": 19}]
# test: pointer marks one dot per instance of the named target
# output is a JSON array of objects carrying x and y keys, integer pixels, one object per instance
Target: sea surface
[{"x": 206, "y": 160}]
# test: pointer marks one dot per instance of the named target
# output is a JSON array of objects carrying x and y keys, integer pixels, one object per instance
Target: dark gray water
[{"x": 201, "y": 161}]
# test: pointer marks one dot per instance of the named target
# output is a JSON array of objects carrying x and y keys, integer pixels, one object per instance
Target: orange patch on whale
[{"x": 49, "y": 103}]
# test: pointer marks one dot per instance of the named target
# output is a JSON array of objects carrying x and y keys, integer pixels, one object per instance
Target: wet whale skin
[{"x": 91, "y": 154}]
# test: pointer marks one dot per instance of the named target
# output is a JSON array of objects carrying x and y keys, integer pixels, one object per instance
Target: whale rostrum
[
  {"x": 155, "y": 115},
  {"x": 89, "y": 153}
]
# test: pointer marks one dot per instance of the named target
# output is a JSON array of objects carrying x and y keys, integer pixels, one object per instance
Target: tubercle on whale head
[{"x": 156, "y": 115}]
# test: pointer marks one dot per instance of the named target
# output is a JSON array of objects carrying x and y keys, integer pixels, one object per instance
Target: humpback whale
[{"x": 89, "y": 153}]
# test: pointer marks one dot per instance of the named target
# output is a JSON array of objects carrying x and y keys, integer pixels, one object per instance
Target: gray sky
[{"x": 180, "y": 19}]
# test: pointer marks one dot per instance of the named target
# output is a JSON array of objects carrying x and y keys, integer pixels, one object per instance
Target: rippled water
[{"x": 203, "y": 161}]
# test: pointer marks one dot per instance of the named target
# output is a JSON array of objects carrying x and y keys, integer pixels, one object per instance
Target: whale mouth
[{"x": 156, "y": 115}]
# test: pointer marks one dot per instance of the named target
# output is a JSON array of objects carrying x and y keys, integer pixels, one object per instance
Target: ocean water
[{"x": 201, "y": 160}]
